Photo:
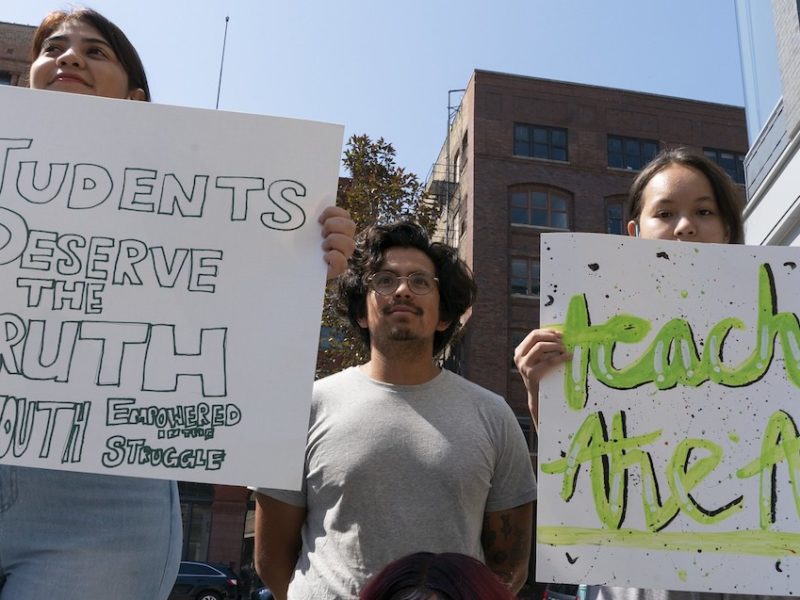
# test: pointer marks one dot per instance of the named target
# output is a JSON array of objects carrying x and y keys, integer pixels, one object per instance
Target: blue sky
[{"x": 384, "y": 68}]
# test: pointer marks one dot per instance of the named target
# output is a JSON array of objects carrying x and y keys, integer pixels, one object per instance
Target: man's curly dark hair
[{"x": 456, "y": 285}]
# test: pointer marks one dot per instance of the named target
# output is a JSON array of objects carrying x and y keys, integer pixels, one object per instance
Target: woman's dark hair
[
  {"x": 725, "y": 193},
  {"x": 456, "y": 286},
  {"x": 119, "y": 42},
  {"x": 447, "y": 576}
]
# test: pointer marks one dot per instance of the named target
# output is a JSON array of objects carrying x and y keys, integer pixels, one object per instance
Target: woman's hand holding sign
[
  {"x": 540, "y": 351},
  {"x": 338, "y": 230}
]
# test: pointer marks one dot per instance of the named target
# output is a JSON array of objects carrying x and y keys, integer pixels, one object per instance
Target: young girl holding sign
[
  {"x": 85, "y": 536},
  {"x": 678, "y": 196}
]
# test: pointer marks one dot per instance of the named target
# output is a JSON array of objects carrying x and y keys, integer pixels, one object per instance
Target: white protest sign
[
  {"x": 669, "y": 455},
  {"x": 162, "y": 284}
]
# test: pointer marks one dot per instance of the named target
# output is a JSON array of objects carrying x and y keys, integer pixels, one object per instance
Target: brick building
[
  {"x": 526, "y": 156},
  {"x": 15, "y": 50}
]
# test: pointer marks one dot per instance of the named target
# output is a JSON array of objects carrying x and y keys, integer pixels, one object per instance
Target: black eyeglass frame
[{"x": 399, "y": 278}]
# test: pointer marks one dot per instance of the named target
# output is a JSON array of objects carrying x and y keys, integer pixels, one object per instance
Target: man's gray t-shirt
[{"x": 392, "y": 470}]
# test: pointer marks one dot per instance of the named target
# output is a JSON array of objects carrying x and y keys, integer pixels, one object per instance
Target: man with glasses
[{"x": 402, "y": 456}]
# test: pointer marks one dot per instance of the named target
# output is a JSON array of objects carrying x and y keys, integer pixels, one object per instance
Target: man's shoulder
[
  {"x": 471, "y": 391},
  {"x": 337, "y": 378},
  {"x": 455, "y": 380},
  {"x": 338, "y": 384}
]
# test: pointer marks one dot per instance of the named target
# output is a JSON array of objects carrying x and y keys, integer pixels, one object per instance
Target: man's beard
[
  {"x": 400, "y": 341},
  {"x": 402, "y": 334}
]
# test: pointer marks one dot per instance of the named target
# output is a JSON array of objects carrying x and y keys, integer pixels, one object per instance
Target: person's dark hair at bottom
[{"x": 429, "y": 576}]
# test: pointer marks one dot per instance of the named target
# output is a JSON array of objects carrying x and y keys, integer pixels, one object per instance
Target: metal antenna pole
[{"x": 222, "y": 61}]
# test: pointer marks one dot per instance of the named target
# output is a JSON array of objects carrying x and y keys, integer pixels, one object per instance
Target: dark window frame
[
  {"x": 616, "y": 202},
  {"x": 196, "y": 501},
  {"x": 736, "y": 173},
  {"x": 558, "y": 204},
  {"x": 633, "y": 153},
  {"x": 541, "y": 141},
  {"x": 531, "y": 288},
  {"x": 462, "y": 216},
  {"x": 463, "y": 150}
]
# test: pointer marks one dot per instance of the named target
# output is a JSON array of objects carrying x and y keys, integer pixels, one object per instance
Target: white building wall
[{"x": 772, "y": 214}]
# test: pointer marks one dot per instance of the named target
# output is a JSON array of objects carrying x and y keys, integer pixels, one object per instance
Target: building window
[
  {"x": 630, "y": 153},
  {"x": 541, "y": 207},
  {"x": 731, "y": 162},
  {"x": 462, "y": 216},
  {"x": 196, "y": 514},
  {"x": 615, "y": 215},
  {"x": 540, "y": 142},
  {"x": 525, "y": 276},
  {"x": 5, "y": 78}
]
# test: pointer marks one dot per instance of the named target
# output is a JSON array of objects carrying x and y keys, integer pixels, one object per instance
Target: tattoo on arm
[
  {"x": 506, "y": 527},
  {"x": 506, "y": 545}
]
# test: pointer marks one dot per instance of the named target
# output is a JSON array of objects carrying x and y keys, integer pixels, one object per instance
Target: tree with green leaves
[{"x": 376, "y": 190}]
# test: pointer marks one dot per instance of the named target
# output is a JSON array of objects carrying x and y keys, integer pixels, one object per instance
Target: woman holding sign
[
  {"x": 83, "y": 536},
  {"x": 678, "y": 196}
]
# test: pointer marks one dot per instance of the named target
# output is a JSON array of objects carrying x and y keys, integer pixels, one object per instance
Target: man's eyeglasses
[{"x": 386, "y": 282}]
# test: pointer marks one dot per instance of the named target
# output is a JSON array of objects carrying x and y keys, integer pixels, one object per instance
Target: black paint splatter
[
  {"x": 778, "y": 567},
  {"x": 571, "y": 560},
  {"x": 662, "y": 255},
  {"x": 593, "y": 266},
  {"x": 790, "y": 264},
  {"x": 550, "y": 300}
]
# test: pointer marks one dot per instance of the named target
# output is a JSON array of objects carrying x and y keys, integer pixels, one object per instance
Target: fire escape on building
[{"x": 442, "y": 185}]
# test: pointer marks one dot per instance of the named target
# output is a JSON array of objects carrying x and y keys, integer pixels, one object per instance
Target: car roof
[{"x": 223, "y": 569}]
